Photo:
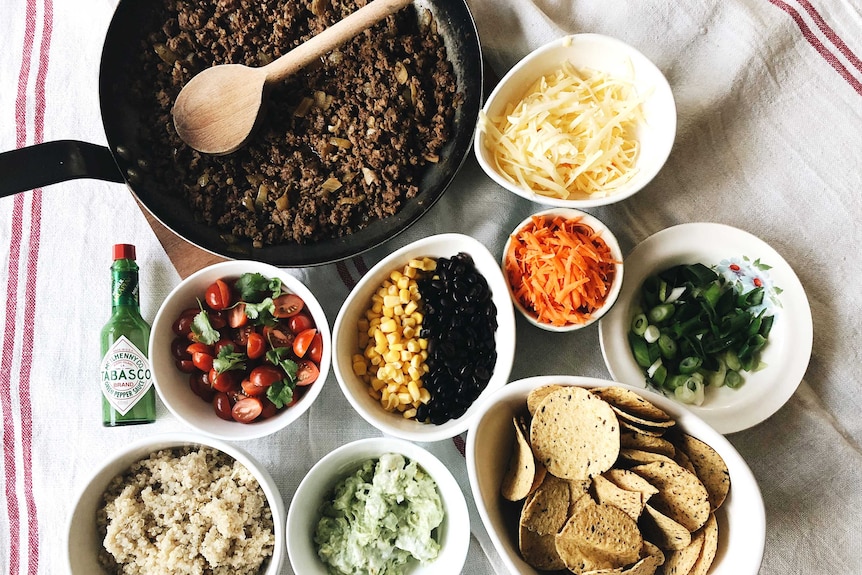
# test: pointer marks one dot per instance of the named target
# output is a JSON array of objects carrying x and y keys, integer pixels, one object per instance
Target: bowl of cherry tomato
[{"x": 239, "y": 350}]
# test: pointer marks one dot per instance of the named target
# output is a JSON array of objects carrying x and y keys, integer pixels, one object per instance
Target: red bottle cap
[{"x": 124, "y": 252}]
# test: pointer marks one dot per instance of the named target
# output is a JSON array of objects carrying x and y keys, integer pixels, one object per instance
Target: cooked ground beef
[{"x": 343, "y": 143}]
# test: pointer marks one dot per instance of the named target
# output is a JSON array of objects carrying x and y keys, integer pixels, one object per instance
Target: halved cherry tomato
[
  {"x": 182, "y": 326},
  {"x": 303, "y": 341},
  {"x": 217, "y": 319},
  {"x": 287, "y": 305},
  {"x": 202, "y": 360},
  {"x": 315, "y": 349},
  {"x": 278, "y": 336},
  {"x": 265, "y": 375},
  {"x": 269, "y": 408},
  {"x": 255, "y": 346},
  {"x": 236, "y": 316},
  {"x": 185, "y": 365},
  {"x": 247, "y": 409},
  {"x": 240, "y": 334},
  {"x": 198, "y": 347},
  {"x": 222, "y": 406},
  {"x": 300, "y": 322},
  {"x": 218, "y": 295},
  {"x": 221, "y": 344},
  {"x": 307, "y": 373},
  {"x": 251, "y": 389},
  {"x": 200, "y": 386},
  {"x": 224, "y": 381},
  {"x": 178, "y": 348}
]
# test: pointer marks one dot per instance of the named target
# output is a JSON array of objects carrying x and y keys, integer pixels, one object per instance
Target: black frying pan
[{"x": 53, "y": 162}]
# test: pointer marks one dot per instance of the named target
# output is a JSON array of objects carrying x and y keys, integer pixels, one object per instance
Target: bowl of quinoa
[{"x": 178, "y": 503}]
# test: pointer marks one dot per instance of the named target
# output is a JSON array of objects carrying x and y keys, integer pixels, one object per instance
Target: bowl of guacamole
[{"x": 380, "y": 505}]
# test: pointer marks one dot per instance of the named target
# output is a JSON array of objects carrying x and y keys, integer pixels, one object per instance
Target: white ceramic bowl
[
  {"x": 787, "y": 351},
  {"x": 303, "y": 514},
  {"x": 741, "y": 518},
  {"x": 345, "y": 336},
  {"x": 83, "y": 541},
  {"x": 616, "y": 252},
  {"x": 656, "y": 134},
  {"x": 172, "y": 385}
]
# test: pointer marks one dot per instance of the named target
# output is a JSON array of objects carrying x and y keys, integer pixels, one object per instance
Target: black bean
[{"x": 460, "y": 321}]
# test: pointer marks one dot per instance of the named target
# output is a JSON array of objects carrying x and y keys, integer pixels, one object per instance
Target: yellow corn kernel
[
  {"x": 360, "y": 368},
  {"x": 409, "y": 413},
  {"x": 388, "y": 326},
  {"x": 413, "y": 390},
  {"x": 414, "y": 373},
  {"x": 424, "y": 395}
]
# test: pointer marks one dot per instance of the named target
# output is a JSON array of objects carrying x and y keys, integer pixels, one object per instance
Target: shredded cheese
[{"x": 572, "y": 135}]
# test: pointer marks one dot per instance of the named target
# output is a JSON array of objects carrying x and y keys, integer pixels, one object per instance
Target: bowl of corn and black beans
[{"x": 424, "y": 336}]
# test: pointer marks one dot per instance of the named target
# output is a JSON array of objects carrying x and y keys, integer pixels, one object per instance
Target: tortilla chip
[
  {"x": 664, "y": 531},
  {"x": 681, "y": 496},
  {"x": 681, "y": 561},
  {"x": 535, "y": 397},
  {"x": 632, "y": 502},
  {"x": 632, "y": 403},
  {"x": 521, "y": 469},
  {"x": 709, "y": 467},
  {"x": 575, "y": 434},
  {"x": 627, "y": 479},
  {"x": 641, "y": 456},
  {"x": 646, "y": 442},
  {"x": 598, "y": 537},
  {"x": 651, "y": 559},
  {"x": 548, "y": 509},
  {"x": 540, "y": 551},
  {"x": 710, "y": 546}
]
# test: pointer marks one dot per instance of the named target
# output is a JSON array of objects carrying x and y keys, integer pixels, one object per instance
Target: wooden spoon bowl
[{"x": 218, "y": 110}]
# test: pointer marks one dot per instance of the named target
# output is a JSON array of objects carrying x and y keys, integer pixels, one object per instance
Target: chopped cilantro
[
  {"x": 255, "y": 287},
  {"x": 228, "y": 359}
]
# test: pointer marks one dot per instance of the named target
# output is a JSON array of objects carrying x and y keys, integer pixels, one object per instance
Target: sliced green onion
[
  {"x": 640, "y": 351},
  {"x": 660, "y": 313},
  {"x": 690, "y": 364},
  {"x": 639, "y": 324},
  {"x": 733, "y": 379},
  {"x": 652, "y": 334},
  {"x": 667, "y": 345}
]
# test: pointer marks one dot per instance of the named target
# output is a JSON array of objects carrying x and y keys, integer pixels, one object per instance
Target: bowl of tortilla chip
[{"x": 590, "y": 475}]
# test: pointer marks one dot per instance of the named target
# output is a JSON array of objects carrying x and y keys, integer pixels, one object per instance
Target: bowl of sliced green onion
[{"x": 714, "y": 318}]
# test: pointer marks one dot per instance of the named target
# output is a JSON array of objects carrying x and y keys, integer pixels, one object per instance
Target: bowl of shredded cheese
[
  {"x": 583, "y": 121},
  {"x": 563, "y": 268}
]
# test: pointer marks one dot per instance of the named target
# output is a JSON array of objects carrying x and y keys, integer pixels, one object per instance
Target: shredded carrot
[{"x": 560, "y": 269}]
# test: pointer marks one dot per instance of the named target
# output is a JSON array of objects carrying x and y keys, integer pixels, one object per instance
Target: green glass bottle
[{"x": 128, "y": 396}]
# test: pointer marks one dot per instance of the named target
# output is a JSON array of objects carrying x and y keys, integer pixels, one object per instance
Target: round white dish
[
  {"x": 786, "y": 354},
  {"x": 741, "y": 518},
  {"x": 610, "y": 239},
  {"x": 172, "y": 385},
  {"x": 83, "y": 542},
  {"x": 603, "y": 53},
  {"x": 345, "y": 336},
  {"x": 303, "y": 513}
]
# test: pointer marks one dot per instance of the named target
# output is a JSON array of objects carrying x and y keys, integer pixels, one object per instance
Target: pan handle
[{"x": 53, "y": 162}]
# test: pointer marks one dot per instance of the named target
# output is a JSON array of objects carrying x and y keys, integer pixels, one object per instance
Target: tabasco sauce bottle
[{"x": 128, "y": 396}]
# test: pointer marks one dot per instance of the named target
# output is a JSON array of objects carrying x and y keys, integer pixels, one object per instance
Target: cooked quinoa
[{"x": 185, "y": 511}]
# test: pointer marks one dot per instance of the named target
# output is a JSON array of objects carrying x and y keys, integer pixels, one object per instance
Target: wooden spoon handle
[{"x": 331, "y": 38}]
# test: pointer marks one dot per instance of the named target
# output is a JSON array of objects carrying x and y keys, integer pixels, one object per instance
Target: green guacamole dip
[{"x": 380, "y": 517}]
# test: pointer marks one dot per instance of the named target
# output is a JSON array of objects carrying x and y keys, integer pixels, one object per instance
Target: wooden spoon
[{"x": 217, "y": 111}]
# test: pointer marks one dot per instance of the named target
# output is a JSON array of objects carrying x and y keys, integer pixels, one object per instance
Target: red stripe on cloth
[
  {"x": 831, "y": 35},
  {"x": 815, "y": 42},
  {"x": 360, "y": 264},
  {"x": 9, "y": 459},
  {"x": 30, "y": 299},
  {"x": 460, "y": 444},
  {"x": 6, "y": 385}
]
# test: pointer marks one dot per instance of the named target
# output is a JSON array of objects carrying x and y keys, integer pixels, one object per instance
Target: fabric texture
[{"x": 769, "y": 98}]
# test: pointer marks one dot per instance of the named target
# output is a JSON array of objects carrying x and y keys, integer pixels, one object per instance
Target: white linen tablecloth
[{"x": 769, "y": 94}]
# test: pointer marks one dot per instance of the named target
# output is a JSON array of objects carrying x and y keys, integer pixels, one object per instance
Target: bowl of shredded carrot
[
  {"x": 563, "y": 268},
  {"x": 585, "y": 120}
]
